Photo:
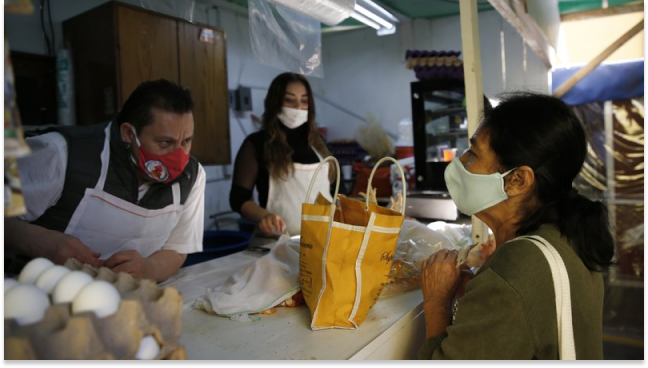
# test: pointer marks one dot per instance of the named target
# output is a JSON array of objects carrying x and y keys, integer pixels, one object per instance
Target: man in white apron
[{"x": 125, "y": 195}]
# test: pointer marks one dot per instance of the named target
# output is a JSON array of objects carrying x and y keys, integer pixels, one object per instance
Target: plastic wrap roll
[{"x": 329, "y": 12}]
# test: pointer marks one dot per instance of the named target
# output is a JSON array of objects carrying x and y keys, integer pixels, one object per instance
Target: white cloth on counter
[{"x": 261, "y": 285}]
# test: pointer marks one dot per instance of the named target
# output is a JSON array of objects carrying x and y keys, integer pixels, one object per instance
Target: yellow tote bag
[{"x": 345, "y": 255}]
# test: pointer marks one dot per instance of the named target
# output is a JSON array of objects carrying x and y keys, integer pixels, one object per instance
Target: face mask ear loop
[
  {"x": 136, "y": 139},
  {"x": 508, "y": 172},
  {"x": 503, "y": 175}
]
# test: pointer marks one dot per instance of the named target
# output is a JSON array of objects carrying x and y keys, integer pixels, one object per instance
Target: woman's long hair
[
  {"x": 542, "y": 132},
  {"x": 278, "y": 153}
]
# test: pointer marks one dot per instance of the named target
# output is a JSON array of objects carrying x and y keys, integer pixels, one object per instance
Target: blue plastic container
[{"x": 219, "y": 243}]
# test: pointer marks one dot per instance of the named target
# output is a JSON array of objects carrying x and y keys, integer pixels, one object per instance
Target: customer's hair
[
  {"x": 277, "y": 152},
  {"x": 161, "y": 94},
  {"x": 542, "y": 132}
]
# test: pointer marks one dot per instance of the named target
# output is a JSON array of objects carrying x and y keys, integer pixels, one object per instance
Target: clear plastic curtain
[
  {"x": 285, "y": 39},
  {"x": 614, "y": 171}
]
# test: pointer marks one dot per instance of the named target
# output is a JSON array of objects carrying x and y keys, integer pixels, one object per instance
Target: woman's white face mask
[
  {"x": 473, "y": 193},
  {"x": 292, "y": 118}
]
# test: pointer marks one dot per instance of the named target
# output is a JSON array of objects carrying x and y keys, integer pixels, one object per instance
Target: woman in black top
[{"x": 280, "y": 159}]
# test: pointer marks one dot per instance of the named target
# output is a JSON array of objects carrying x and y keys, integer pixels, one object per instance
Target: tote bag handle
[
  {"x": 319, "y": 167},
  {"x": 567, "y": 348},
  {"x": 373, "y": 171}
]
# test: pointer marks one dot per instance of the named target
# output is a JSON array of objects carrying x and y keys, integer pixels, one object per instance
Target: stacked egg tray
[
  {"x": 434, "y": 64},
  {"x": 145, "y": 309}
]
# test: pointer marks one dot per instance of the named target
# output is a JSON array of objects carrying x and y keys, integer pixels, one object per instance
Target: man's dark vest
[{"x": 85, "y": 144}]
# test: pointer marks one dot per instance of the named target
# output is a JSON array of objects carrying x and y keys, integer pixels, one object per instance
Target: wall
[
  {"x": 585, "y": 39},
  {"x": 363, "y": 73}
]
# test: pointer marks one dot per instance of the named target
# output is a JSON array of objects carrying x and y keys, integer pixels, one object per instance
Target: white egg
[
  {"x": 50, "y": 277},
  {"x": 26, "y": 303},
  {"x": 33, "y": 269},
  {"x": 69, "y": 286},
  {"x": 98, "y": 296},
  {"x": 10, "y": 284},
  {"x": 148, "y": 348}
]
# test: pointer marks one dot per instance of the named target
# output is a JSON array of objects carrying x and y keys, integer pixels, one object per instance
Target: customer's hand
[
  {"x": 440, "y": 278},
  {"x": 272, "y": 223},
  {"x": 60, "y": 247}
]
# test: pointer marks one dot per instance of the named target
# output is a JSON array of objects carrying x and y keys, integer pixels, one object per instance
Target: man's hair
[{"x": 161, "y": 94}]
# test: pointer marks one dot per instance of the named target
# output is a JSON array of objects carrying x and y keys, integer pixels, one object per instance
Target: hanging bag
[{"x": 345, "y": 254}]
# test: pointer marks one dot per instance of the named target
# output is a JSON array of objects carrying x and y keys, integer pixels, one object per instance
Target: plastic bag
[
  {"x": 285, "y": 39},
  {"x": 460, "y": 235},
  {"x": 416, "y": 244}
]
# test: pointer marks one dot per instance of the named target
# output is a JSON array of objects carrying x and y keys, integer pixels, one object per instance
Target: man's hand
[
  {"x": 158, "y": 266},
  {"x": 36, "y": 241},
  {"x": 272, "y": 223},
  {"x": 129, "y": 261},
  {"x": 63, "y": 246}
]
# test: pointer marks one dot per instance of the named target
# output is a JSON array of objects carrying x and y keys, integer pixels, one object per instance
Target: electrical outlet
[{"x": 243, "y": 99}]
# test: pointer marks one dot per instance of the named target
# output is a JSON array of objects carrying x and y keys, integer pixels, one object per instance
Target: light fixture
[
  {"x": 359, "y": 17},
  {"x": 376, "y": 17}
]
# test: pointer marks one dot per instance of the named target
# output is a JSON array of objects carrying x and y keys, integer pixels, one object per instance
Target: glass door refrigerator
[{"x": 440, "y": 134}]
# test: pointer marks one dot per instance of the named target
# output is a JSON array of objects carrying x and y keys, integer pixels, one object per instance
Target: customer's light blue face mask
[{"x": 473, "y": 193}]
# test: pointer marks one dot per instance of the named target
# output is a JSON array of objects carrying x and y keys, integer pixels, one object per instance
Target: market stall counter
[{"x": 394, "y": 328}]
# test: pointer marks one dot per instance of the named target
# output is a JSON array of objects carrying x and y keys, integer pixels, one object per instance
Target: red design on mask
[{"x": 163, "y": 168}]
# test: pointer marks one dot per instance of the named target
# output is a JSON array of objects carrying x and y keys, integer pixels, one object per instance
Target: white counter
[{"x": 394, "y": 328}]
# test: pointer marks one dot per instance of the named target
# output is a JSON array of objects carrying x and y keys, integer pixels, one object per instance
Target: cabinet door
[
  {"x": 92, "y": 41},
  {"x": 203, "y": 71},
  {"x": 148, "y": 49}
]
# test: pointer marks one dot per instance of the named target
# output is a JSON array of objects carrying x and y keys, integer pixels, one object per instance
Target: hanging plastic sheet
[
  {"x": 592, "y": 180},
  {"x": 178, "y": 8},
  {"x": 285, "y": 39},
  {"x": 614, "y": 171},
  {"x": 627, "y": 145},
  {"x": 329, "y": 12}
]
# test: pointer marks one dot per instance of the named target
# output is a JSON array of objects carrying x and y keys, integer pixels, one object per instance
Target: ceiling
[{"x": 442, "y": 8}]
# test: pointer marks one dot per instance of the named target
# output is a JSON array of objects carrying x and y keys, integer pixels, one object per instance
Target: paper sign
[{"x": 207, "y": 35}]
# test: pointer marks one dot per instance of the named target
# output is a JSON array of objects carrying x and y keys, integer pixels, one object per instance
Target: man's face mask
[
  {"x": 473, "y": 193},
  {"x": 161, "y": 168},
  {"x": 292, "y": 118}
]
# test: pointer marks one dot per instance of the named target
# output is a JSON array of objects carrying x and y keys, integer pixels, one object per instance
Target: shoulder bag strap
[{"x": 560, "y": 277}]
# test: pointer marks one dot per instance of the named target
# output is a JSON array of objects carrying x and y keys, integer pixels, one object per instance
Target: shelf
[
  {"x": 439, "y": 113},
  {"x": 432, "y": 97}
]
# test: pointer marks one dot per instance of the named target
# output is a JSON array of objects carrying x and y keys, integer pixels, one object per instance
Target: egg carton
[{"x": 145, "y": 309}]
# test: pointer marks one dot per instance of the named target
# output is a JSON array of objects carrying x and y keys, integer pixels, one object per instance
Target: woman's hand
[
  {"x": 440, "y": 278},
  {"x": 272, "y": 223},
  {"x": 439, "y": 282}
]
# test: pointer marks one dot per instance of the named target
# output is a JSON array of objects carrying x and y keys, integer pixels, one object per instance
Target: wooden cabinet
[{"x": 117, "y": 46}]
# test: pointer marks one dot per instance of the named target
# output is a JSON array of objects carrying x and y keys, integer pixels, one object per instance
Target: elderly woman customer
[{"x": 517, "y": 178}]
